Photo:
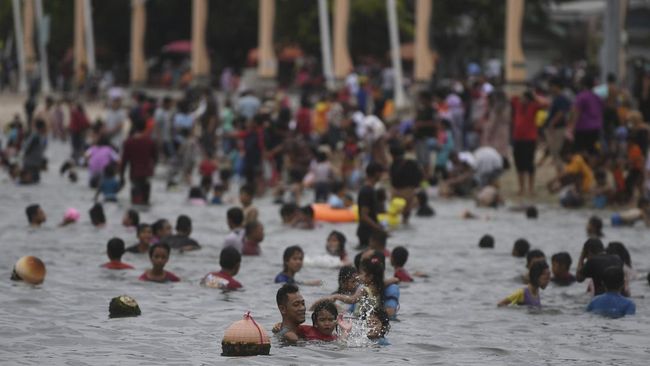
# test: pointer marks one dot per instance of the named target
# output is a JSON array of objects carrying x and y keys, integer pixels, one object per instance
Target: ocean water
[{"x": 449, "y": 318}]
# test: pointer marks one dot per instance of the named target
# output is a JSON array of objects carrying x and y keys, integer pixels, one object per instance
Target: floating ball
[
  {"x": 29, "y": 269},
  {"x": 123, "y": 306},
  {"x": 245, "y": 338}
]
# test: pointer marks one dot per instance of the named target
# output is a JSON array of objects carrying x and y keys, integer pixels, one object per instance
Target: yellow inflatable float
[{"x": 392, "y": 218}]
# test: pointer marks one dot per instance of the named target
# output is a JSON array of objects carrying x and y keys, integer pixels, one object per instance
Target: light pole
[
  {"x": 20, "y": 52},
  {"x": 400, "y": 98},
  {"x": 43, "y": 38},
  {"x": 325, "y": 45}
]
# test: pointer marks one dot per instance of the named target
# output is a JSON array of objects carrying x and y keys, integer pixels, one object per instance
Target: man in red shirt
[
  {"x": 229, "y": 260},
  {"x": 139, "y": 151}
]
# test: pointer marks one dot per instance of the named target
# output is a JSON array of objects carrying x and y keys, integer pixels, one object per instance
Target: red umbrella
[{"x": 182, "y": 46}]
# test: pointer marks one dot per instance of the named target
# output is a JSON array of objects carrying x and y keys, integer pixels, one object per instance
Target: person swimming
[
  {"x": 114, "y": 251},
  {"x": 324, "y": 320},
  {"x": 159, "y": 255},
  {"x": 540, "y": 276},
  {"x": 336, "y": 246},
  {"x": 292, "y": 258}
]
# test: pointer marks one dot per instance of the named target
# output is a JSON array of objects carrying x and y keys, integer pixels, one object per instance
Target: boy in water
[
  {"x": 35, "y": 215},
  {"x": 368, "y": 206},
  {"x": 520, "y": 248},
  {"x": 611, "y": 303},
  {"x": 246, "y": 198},
  {"x": 229, "y": 260},
  {"x": 593, "y": 262},
  {"x": 398, "y": 259},
  {"x": 253, "y": 236},
  {"x": 144, "y": 235},
  {"x": 115, "y": 250},
  {"x": 235, "y": 238},
  {"x": 560, "y": 266},
  {"x": 182, "y": 240}
]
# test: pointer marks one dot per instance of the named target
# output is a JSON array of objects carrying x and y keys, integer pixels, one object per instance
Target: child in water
[
  {"x": 520, "y": 248},
  {"x": 631, "y": 216},
  {"x": 229, "y": 260},
  {"x": 131, "y": 218},
  {"x": 348, "y": 282},
  {"x": 246, "y": 193},
  {"x": 324, "y": 320},
  {"x": 398, "y": 259},
  {"x": 370, "y": 294},
  {"x": 595, "y": 227},
  {"x": 159, "y": 255},
  {"x": 292, "y": 258},
  {"x": 539, "y": 278},
  {"x": 612, "y": 304},
  {"x": 533, "y": 256},
  {"x": 115, "y": 250},
  {"x": 108, "y": 186},
  {"x": 560, "y": 266},
  {"x": 144, "y": 235},
  {"x": 336, "y": 246}
]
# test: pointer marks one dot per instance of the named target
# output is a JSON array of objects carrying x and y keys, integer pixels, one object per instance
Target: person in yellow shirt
[{"x": 576, "y": 180}]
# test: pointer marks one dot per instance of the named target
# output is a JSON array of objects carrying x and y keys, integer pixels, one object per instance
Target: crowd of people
[{"x": 459, "y": 139}]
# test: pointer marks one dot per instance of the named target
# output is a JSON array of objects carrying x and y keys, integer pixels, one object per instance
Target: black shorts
[
  {"x": 524, "y": 154},
  {"x": 585, "y": 141},
  {"x": 296, "y": 176}
]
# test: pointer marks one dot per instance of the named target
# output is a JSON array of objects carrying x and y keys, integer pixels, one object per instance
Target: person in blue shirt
[
  {"x": 109, "y": 186},
  {"x": 612, "y": 304},
  {"x": 292, "y": 260}
]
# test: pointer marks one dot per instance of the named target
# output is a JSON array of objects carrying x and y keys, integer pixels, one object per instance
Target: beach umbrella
[{"x": 181, "y": 46}]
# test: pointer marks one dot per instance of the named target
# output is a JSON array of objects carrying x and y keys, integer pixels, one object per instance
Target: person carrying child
[
  {"x": 593, "y": 262},
  {"x": 292, "y": 308},
  {"x": 611, "y": 303}
]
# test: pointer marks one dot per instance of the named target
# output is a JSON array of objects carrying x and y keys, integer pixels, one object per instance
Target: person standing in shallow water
[
  {"x": 368, "y": 206},
  {"x": 140, "y": 153}
]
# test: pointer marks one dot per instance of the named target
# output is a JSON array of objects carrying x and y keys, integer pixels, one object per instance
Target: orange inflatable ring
[{"x": 324, "y": 212}]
